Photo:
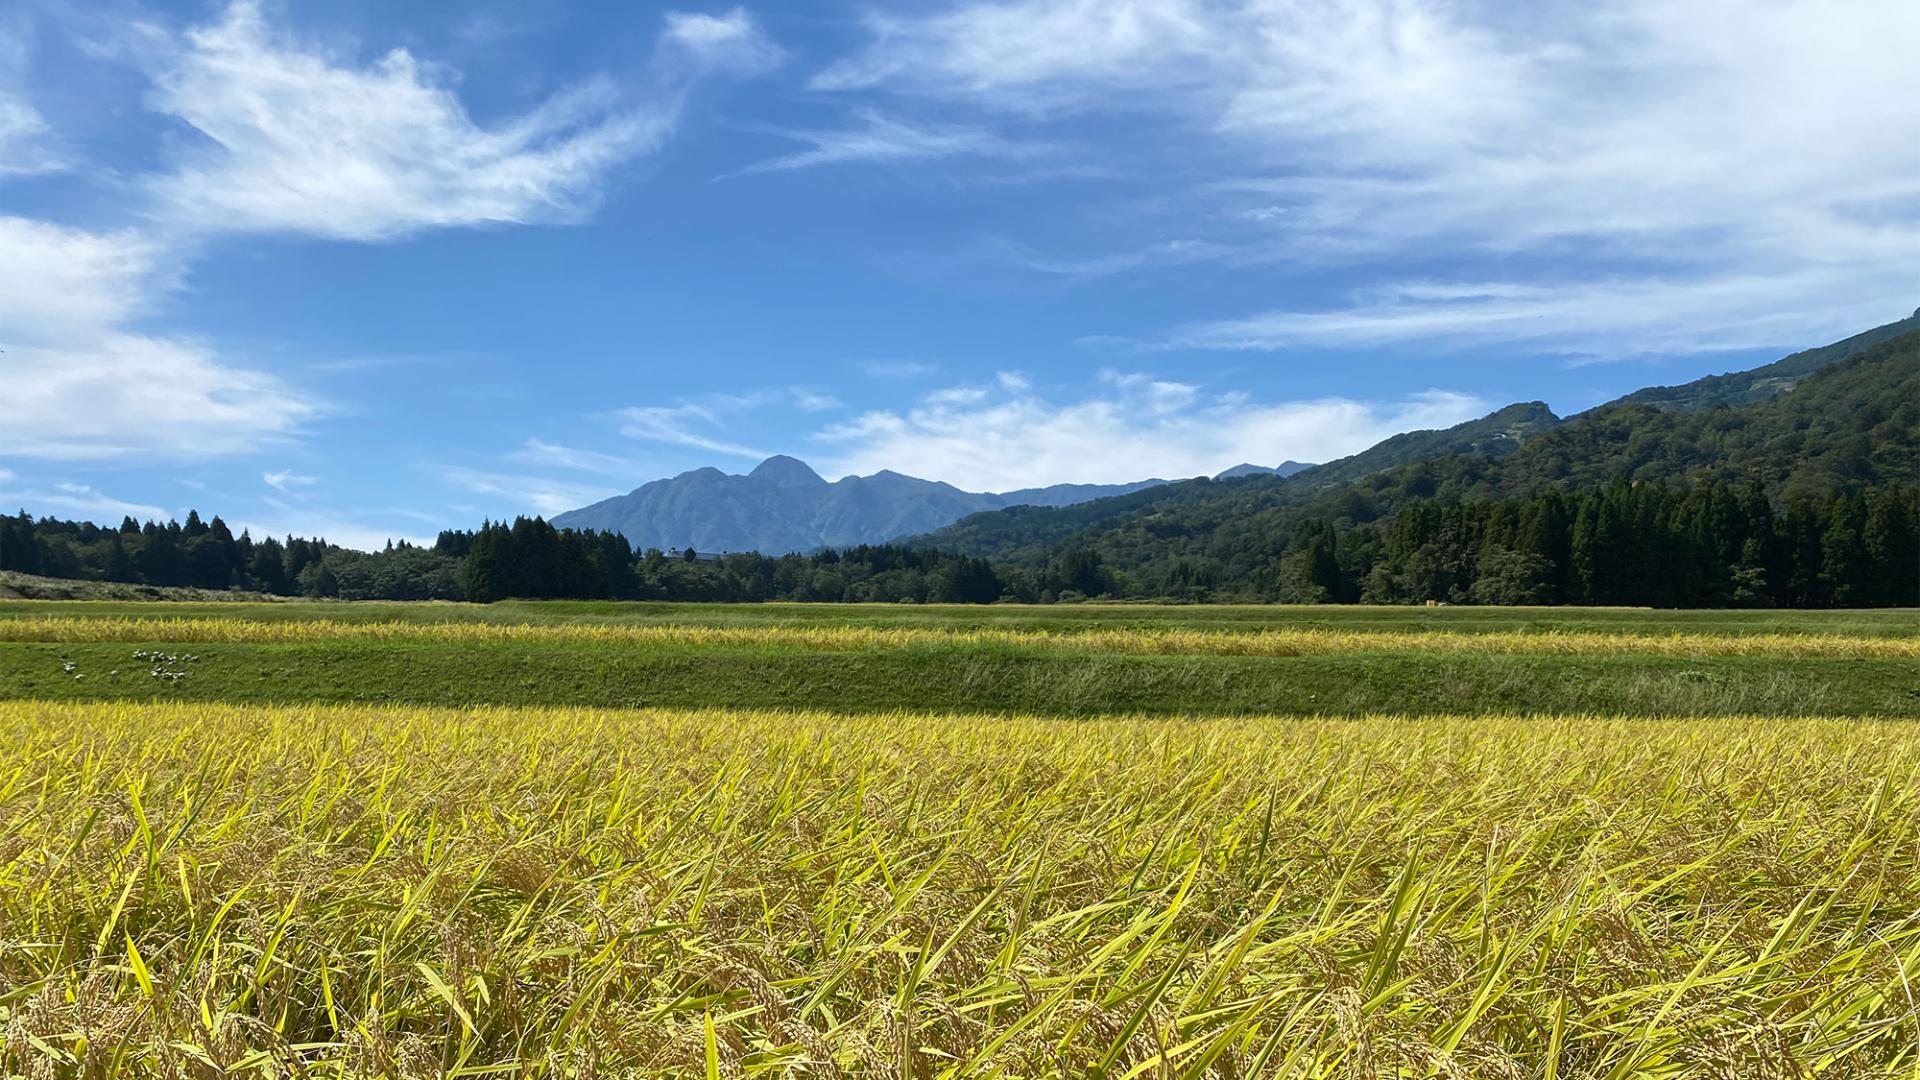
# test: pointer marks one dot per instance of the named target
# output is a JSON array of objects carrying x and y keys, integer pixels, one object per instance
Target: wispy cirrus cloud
[
  {"x": 522, "y": 491},
  {"x": 876, "y": 138},
  {"x": 1604, "y": 319},
  {"x": 703, "y": 423},
  {"x": 1590, "y": 148},
  {"x": 540, "y": 453},
  {"x": 1027, "y": 54},
  {"x": 694, "y": 424},
  {"x": 302, "y": 139},
  {"x": 28, "y": 145},
  {"x": 286, "y": 480},
  {"x": 899, "y": 369},
  {"x": 79, "y": 500}
]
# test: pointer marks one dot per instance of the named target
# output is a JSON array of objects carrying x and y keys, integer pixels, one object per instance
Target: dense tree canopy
[{"x": 1704, "y": 545}]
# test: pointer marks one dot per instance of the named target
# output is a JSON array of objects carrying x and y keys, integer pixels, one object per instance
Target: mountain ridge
[
  {"x": 783, "y": 505},
  {"x": 1767, "y": 380}
]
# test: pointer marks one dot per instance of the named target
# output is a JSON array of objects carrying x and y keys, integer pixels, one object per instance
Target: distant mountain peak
[
  {"x": 1283, "y": 470},
  {"x": 783, "y": 505},
  {"x": 783, "y": 471}
]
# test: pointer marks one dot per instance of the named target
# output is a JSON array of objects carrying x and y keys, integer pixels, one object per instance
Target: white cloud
[
  {"x": 78, "y": 386},
  {"x": 285, "y": 480},
  {"x": 898, "y": 369},
  {"x": 25, "y": 136},
  {"x": 126, "y": 395},
  {"x": 1154, "y": 255},
  {"x": 681, "y": 425},
  {"x": 290, "y": 137},
  {"x": 1031, "y": 53},
  {"x": 1595, "y": 320},
  {"x": 23, "y": 150},
  {"x": 298, "y": 139},
  {"x": 1137, "y": 426},
  {"x": 1718, "y": 149},
  {"x": 542, "y": 453},
  {"x": 708, "y": 422},
  {"x": 76, "y": 501},
  {"x": 814, "y": 401},
  {"x": 65, "y": 285},
  {"x": 345, "y": 530},
  {"x": 539, "y": 494},
  {"x": 1159, "y": 395},
  {"x": 732, "y": 41},
  {"x": 878, "y": 138},
  {"x": 957, "y": 395}
]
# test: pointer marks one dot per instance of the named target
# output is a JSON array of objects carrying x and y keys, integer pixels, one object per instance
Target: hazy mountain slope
[{"x": 783, "y": 505}]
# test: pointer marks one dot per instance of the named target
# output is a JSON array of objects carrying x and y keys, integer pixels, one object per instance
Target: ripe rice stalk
[{"x": 1129, "y": 641}]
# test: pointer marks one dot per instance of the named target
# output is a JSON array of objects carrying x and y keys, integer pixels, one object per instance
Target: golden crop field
[
  {"x": 228, "y": 890},
  {"x": 1121, "y": 641}
]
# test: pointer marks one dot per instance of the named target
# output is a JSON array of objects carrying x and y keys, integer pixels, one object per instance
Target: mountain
[
  {"x": 783, "y": 505},
  {"x": 1819, "y": 421},
  {"x": 1493, "y": 435},
  {"x": 1850, "y": 423},
  {"x": 1835, "y": 419},
  {"x": 1283, "y": 470},
  {"x": 1771, "y": 380}
]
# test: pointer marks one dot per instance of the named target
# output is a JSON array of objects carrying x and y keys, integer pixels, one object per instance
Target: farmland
[
  {"x": 617, "y": 839},
  {"x": 1082, "y": 661}
]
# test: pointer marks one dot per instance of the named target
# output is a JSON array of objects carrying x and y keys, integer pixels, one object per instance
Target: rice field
[
  {"x": 205, "y": 871},
  {"x": 1093, "y": 639},
  {"x": 228, "y": 890}
]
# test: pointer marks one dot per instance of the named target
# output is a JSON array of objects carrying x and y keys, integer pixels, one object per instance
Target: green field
[
  {"x": 592, "y": 840},
  {"x": 1017, "y": 665},
  {"x": 1883, "y": 622}
]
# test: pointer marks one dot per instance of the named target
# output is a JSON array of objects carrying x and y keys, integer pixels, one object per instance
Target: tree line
[
  {"x": 1704, "y": 545},
  {"x": 529, "y": 559}
]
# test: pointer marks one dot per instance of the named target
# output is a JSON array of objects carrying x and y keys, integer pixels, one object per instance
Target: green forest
[{"x": 1706, "y": 545}]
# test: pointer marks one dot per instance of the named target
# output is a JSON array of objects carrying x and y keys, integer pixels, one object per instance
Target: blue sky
[{"x": 372, "y": 269}]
